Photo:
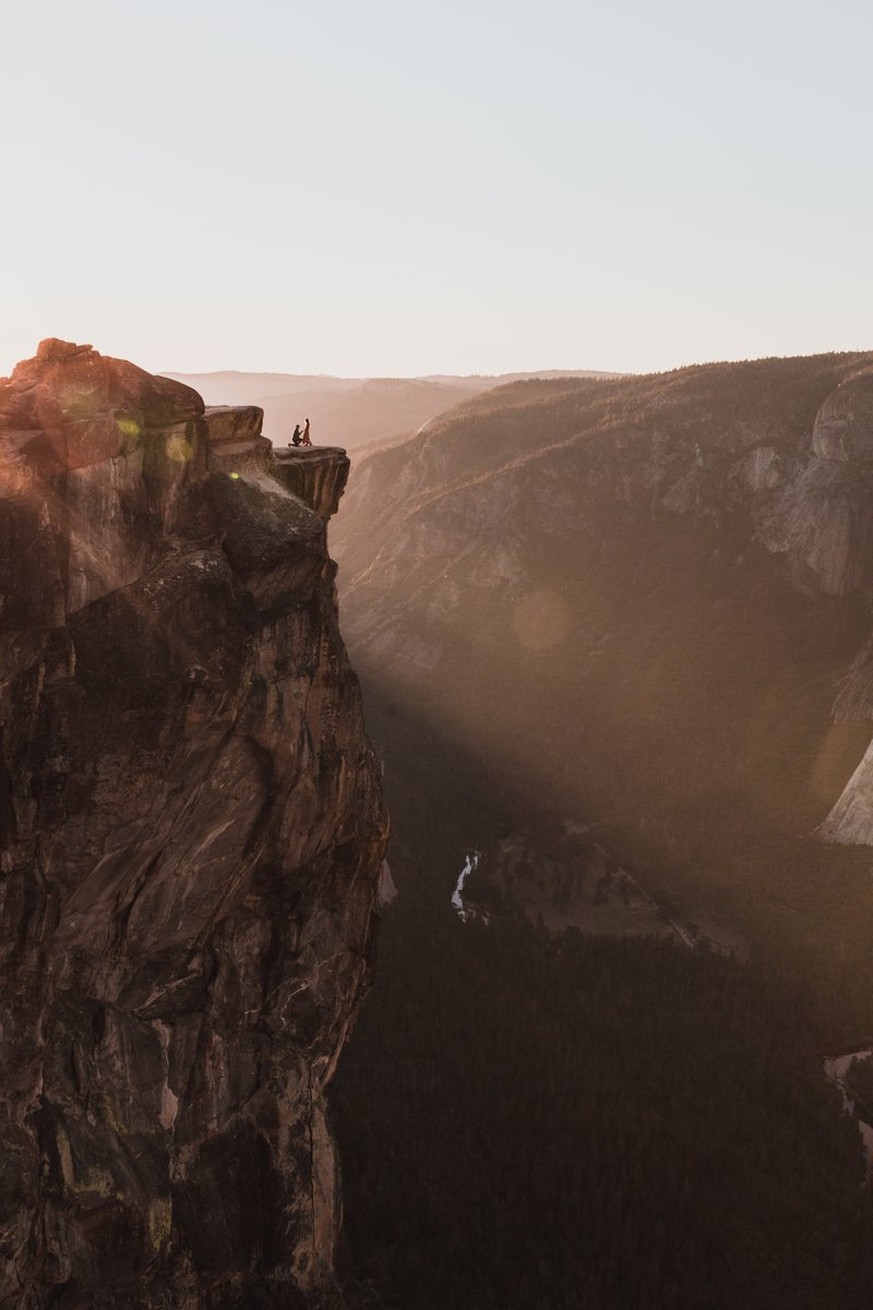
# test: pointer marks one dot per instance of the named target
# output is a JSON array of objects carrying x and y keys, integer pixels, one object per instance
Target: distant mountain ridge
[{"x": 349, "y": 412}]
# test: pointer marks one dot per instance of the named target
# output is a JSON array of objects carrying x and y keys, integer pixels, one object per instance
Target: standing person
[
  {"x": 296, "y": 437},
  {"x": 306, "y": 438}
]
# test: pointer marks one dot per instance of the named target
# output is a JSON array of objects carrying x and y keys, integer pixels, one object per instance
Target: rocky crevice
[{"x": 192, "y": 832}]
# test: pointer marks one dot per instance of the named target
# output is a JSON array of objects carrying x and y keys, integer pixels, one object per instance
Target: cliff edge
[{"x": 191, "y": 832}]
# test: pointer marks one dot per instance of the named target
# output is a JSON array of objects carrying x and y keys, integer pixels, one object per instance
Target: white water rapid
[{"x": 457, "y": 895}]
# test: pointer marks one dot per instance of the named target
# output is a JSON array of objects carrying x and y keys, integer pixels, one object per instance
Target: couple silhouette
[{"x": 301, "y": 438}]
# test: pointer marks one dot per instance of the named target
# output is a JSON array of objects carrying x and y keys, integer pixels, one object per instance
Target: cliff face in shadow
[{"x": 192, "y": 829}]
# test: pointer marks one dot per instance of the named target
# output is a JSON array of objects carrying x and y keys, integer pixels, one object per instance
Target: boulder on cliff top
[{"x": 65, "y": 383}]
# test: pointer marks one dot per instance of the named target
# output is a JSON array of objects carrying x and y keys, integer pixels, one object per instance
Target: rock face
[
  {"x": 823, "y": 519},
  {"x": 317, "y": 474},
  {"x": 649, "y": 597},
  {"x": 192, "y": 835}
]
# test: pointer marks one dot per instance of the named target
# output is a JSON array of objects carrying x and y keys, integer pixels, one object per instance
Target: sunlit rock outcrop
[
  {"x": 851, "y": 819},
  {"x": 192, "y": 835},
  {"x": 823, "y": 520}
]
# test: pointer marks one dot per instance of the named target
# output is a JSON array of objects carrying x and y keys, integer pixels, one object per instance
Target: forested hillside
[
  {"x": 544, "y": 1123},
  {"x": 583, "y": 584},
  {"x": 636, "y": 611}
]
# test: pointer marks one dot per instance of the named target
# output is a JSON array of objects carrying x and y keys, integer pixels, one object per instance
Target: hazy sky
[{"x": 393, "y": 187}]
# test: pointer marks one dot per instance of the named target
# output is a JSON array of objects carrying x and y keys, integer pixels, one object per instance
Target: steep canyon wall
[{"x": 191, "y": 827}]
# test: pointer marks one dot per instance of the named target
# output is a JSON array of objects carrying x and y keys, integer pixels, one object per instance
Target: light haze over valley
[{"x": 436, "y": 864}]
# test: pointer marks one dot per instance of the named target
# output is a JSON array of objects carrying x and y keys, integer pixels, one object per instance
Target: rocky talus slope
[{"x": 192, "y": 829}]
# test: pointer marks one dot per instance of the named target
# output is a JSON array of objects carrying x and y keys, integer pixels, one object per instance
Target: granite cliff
[{"x": 192, "y": 830}]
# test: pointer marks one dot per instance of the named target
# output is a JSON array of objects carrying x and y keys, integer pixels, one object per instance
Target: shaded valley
[{"x": 619, "y": 628}]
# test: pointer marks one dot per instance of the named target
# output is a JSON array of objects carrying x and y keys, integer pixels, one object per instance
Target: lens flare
[
  {"x": 129, "y": 427},
  {"x": 180, "y": 449}
]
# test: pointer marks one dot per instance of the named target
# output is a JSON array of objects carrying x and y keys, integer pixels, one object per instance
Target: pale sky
[{"x": 387, "y": 187}]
